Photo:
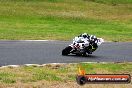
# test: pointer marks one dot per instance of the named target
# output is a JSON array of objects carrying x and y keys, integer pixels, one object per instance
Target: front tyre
[{"x": 67, "y": 50}]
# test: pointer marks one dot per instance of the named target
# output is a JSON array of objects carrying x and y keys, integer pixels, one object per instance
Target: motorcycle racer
[
  {"x": 83, "y": 44},
  {"x": 83, "y": 38},
  {"x": 87, "y": 40}
]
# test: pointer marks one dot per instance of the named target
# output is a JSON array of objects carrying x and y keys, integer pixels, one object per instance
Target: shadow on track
[{"x": 87, "y": 56}]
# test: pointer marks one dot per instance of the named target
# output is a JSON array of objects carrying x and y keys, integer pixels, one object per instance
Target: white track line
[
  {"x": 41, "y": 65},
  {"x": 35, "y": 40}
]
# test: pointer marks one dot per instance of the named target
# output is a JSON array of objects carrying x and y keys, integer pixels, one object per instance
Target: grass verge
[
  {"x": 61, "y": 75},
  {"x": 64, "y": 19}
]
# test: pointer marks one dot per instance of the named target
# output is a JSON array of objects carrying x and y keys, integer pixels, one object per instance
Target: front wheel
[{"x": 67, "y": 50}]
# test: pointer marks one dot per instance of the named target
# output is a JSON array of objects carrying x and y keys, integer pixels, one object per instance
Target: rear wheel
[{"x": 67, "y": 50}]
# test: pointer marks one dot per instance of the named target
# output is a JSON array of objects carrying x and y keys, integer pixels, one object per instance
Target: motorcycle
[{"x": 80, "y": 49}]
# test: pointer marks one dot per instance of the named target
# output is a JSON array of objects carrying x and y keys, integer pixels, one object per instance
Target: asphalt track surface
[{"x": 41, "y": 52}]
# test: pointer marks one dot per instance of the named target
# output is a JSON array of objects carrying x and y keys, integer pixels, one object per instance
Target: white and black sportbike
[{"x": 82, "y": 48}]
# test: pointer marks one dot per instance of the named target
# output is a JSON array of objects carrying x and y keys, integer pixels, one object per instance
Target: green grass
[
  {"x": 108, "y": 68},
  {"x": 59, "y": 73},
  {"x": 62, "y": 75},
  {"x": 113, "y": 2},
  {"x": 64, "y": 19},
  {"x": 6, "y": 77}
]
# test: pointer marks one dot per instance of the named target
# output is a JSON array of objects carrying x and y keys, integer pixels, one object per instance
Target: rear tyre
[{"x": 67, "y": 50}]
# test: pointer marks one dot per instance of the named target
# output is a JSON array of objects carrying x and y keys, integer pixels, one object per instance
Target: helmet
[
  {"x": 92, "y": 37},
  {"x": 84, "y": 35}
]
